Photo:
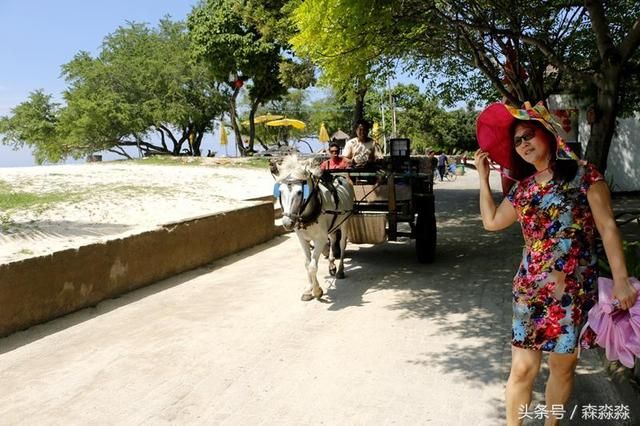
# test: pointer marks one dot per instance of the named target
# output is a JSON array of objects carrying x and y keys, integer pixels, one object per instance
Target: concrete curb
[{"x": 39, "y": 289}]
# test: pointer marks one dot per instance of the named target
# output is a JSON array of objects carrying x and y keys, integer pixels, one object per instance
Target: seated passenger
[
  {"x": 361, "y": 150},
  {"x": 335, "y": 161}
]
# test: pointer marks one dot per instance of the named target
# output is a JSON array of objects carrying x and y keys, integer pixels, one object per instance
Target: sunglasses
[{"x": 525, "y": 137}]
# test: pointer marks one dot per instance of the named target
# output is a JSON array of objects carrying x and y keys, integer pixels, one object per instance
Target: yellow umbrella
[
  {"x": 324, "y": 135},
  {"x": 296, "y": 124},
  {"x": 223, "y": 136},
  {"x": 375, "y": 131},
  {"x": 263, "y": 119}
]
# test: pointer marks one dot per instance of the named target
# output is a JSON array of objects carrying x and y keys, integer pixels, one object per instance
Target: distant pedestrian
[
  {"x": 560, "y": 204},
  {"x": 443, "y": 162}
]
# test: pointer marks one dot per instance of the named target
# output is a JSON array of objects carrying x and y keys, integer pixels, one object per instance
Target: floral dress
[{"x": 555, "y": 285}]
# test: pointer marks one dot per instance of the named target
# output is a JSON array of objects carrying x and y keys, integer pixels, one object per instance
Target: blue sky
[{"x": 38, "y": 36}]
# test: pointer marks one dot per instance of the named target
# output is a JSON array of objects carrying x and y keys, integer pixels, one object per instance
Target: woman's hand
[
  {"x": 624, "y": 294},
  {"x": 481, "y": 160}
]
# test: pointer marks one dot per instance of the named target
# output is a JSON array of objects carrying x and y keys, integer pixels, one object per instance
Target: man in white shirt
[{"x": 362, "y": 149}]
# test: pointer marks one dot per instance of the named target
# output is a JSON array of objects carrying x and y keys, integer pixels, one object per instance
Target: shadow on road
[{"x": 465, "y": 292}]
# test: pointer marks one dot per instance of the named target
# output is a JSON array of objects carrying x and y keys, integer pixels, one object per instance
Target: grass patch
[
  {"x": 132, "y": 190},
  {"x": 23, "y": 200},
  {"x": 242, "y": 162},
  {"x": 167, "y": 160},
  {"x": 257, "y": 162}
]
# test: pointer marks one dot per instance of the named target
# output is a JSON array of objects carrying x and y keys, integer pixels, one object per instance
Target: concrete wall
[{"x": 42, "y": 288}]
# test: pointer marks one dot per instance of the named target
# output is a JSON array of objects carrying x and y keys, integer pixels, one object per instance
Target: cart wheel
[{"x": 425, "y": 231}]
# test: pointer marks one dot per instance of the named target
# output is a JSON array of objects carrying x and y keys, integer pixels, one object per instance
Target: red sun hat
[
  {"x": 493, "y": 129},
  {"x": 494, "y": 125}
]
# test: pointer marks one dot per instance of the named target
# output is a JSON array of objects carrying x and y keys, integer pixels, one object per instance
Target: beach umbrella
[
  {"x": 375, "y": 131},
  {"x": 263, "y": 119},
  {"x": 223, "y": 136},
  {"x": 324, "y": 135},
  {"x": 288, "y": 122}
]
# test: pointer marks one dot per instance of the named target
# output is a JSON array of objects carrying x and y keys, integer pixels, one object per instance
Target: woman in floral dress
[{"x": 560, "y": 203}]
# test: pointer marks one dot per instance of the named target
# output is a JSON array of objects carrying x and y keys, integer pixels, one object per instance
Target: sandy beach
[{"x": 89, "y": 203}]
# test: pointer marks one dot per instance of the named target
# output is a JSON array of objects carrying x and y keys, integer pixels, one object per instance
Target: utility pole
[
  {"x": 384, "y": 128},
  {"x": 392, "y": 105}
]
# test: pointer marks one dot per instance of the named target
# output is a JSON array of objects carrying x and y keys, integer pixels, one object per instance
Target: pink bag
[{"x": 617, "y": 331}]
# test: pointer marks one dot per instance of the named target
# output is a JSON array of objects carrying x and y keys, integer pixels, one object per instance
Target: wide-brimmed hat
[{"x": 494, "y": 125}]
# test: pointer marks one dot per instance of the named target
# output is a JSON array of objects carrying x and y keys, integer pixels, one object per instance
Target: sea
[{"x": 23, "y": 157}]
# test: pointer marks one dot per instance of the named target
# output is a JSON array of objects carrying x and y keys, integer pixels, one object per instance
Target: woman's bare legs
[
  {"x": 561, "y": 374},
  {"x": 525, "y": 364}
]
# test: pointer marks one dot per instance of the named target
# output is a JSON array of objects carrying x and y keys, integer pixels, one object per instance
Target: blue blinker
[{"x": 306, "y": 191}]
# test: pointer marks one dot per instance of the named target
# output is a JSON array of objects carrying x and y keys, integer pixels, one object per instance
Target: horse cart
[
  {"x": 394, "y": 198},
  {"x": 364, "y": 205}
]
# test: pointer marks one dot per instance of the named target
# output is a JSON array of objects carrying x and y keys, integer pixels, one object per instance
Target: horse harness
[{"x": 310, "y": 198}]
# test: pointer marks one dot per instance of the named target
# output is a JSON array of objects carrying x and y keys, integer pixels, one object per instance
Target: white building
[{"x": 623, "y": 164}]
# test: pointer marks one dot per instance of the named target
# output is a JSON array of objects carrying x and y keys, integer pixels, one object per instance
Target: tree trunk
[
  {"x": 252, "y": 126},
  {"x": 358, "y": 108},
  {"x": 234, "y": 122},
  {"x": 605, "y": 125},
  {"x": 197, "y": 142}
]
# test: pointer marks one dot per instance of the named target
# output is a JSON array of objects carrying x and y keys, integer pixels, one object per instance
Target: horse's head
[{"x": 295, "y": 188}]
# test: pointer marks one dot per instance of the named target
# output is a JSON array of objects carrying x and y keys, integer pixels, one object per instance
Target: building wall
[{"x": 623, "y": 164}]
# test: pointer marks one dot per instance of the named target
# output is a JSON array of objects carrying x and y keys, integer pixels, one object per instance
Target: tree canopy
[
  {"x": 520, "y": 51},
  {"x": 143, "y": 82},
  {"x": 239, "y": 42}
]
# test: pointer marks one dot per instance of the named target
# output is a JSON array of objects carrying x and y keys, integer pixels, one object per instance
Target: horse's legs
[
  {"x": 312, "y": 269},
  {"x": 335, "y": 249},
  {"x": 306, "y": 249},
  {"x": 343, "y": 245}
]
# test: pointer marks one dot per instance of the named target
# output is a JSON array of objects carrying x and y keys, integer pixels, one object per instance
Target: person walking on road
[
  {"x": 443, "y": 162},
  {"x": 560, "y": 203}
]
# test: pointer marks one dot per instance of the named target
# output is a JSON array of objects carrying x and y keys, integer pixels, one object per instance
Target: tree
[
  {"x": 350, "y": 66},
  {"x": 526, "y": 51},
  {"x": 141, "y": 83},
  {"x": 422, "y": 119},
  {"x": 33, "y": 123},
  {"x": 236, "y": 40}
]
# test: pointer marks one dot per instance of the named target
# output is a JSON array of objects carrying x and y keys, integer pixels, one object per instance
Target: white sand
[{"x": 115, "y": 199}]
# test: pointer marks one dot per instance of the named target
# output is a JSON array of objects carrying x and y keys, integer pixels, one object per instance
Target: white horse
[{"x": 316, "y": 210}]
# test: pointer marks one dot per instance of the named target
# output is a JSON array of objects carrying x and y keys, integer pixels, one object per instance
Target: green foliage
[
  {"x": 142, "y": 82},
  {"x": 421, "y": 118},
  {"x": 487, "y": 49},
  {"x": 333, "y": 111},
  {"x": 238, "y": 38},
  {"x": 335, "y": 34},
  {"x": 34, "y": 123}
]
